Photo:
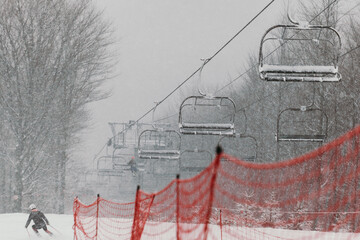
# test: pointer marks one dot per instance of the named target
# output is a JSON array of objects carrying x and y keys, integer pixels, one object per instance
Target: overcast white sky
[{"x": 160, "y": 45}]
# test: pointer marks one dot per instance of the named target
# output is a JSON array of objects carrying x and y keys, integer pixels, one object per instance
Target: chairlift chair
[
  {"x": 203, "y": 115},
  {"x": 164, "y": 167},
  {"x": 118, "y": 140},
  {"x": 314, "y": 119},
  {"x": 207, "y": 114},
  {"x": 124, "y": 134},
  {"x": 241, "y": 146},
  {"x": 195, "y": 160},
  {"x": 159, "y": 144},
  {"x": 96, "y": 177},
  {"x": 121, "y": 161},
  {"x": 104, "y": 164},
  {"x": 111, "y": 166},
  {"x": 287, "y": 57}
]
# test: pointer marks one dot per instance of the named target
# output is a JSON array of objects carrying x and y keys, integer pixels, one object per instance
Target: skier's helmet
[{"x": 32, "y": 206}]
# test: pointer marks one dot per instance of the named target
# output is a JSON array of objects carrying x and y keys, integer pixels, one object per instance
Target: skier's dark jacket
[{"x": 38, "y": 218}]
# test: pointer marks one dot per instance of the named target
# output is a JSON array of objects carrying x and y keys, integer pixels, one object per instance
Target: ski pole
[
  {"x": 55, "y": 229},
  {"x": 28, "y": 233}
]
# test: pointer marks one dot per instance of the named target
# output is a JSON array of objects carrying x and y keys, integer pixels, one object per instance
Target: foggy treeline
[{"x": 53, "y": 58}]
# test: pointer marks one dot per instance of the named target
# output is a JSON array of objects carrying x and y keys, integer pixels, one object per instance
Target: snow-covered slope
[{"x": 12, "y": 227}]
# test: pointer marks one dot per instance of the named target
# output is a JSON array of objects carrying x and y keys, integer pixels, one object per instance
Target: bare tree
[{"x": 53, "y": 59}]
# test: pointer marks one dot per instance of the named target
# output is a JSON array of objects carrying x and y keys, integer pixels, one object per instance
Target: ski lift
[
  {"x": 158, "y": 143},
  {"x": 241, "y": 146},
  {"x": 124, "y": 134},
  {"x": 207, "y": 114},
  {"x": 300, "y": 52},
  {"x": 111, "y": 165},
  {"x": 121, "y": 161},
  {"x": 95, "y": 177},
  {"x": 306, "y": 123},
  {"x": 195, "y": 160},
  {"x": 302, "y": 124},
  {"x": 118, "y": 141},
  {"x": 162, "y": 167},
  {"x": 104, "y": 164}
]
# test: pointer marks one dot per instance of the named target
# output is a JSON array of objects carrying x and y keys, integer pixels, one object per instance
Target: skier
[
  {"x": 132, "y": 164},
  {"x": 39, "y": 219}
]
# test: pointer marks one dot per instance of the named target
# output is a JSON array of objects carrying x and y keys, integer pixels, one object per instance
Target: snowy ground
[{"x": 12, "y": 227}]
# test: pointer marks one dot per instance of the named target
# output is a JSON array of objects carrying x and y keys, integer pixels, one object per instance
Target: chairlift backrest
[
  {"x": 159, "y": 144},
  {"x": 125, "y": 135},
  {"x": 121, "y": 161},
  {"x": 104, "y": 163},
  {"x": 302, "y": 124},
  {"x": 243, "y": 147},
  {"x": 194, "y": 160},
  {"x": 112, "y": 166}
]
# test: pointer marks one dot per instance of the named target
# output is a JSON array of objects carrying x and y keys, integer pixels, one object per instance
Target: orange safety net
[
  {"x": 315, "y": 196},
  {"x": 103, "y": 220}
]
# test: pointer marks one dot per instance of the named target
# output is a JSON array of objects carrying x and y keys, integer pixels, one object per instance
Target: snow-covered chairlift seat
[
  {"x": 299, "y": 73},
  {"x": 294, "y": 65},
  {"x": 302, "y": 137},
  {"x": 207, "y": 128},
  {"x": 321, "y": 126},
  {"x": 207, "y": 116},
  {"x": 159, "y": 144},
  {"x": 159, "y": 154}
]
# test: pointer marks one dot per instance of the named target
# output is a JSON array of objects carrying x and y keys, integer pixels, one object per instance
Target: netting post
[
  {"x": 219, "y": 152},
  {"x": 356, "y": 155},
  {"x": 177, "y": 206},
  {"x": 75, "y": 211},
  {"x": 220, "y": 226},
  {"x": 136, "y": 213},
  {"x": 97, "y": 215}
]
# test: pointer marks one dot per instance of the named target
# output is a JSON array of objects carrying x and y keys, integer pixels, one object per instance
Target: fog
[{"x": 160, "y": 44}]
